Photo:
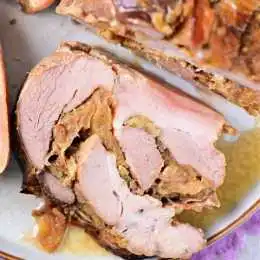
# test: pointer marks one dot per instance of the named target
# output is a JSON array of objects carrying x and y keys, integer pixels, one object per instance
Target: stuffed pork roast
[
  {"x": 212, "y": 44},
  {"x": 4, "y": 121},
  {"x": 117, "y": 152}
]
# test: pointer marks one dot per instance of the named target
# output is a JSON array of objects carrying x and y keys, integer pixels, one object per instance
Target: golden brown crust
[
  {"x": 245, "y": 97},
  {"x": 231, "y": 34},
  {"x": 33, "y": 6}
]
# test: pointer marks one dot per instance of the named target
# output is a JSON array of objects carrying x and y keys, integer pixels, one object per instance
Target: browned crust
[
  {"x": 245, "y": 97},
  {"x": 33, "y": 6},
  {"x": 4, "y": 120},
  {"x": 212, "y": 30}
]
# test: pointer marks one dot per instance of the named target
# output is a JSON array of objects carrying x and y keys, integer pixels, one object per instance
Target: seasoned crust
[
  {"x": 210, "y": 33},
  {"x": 240, "y": 47},
  {"x": 245, "y": 97}
]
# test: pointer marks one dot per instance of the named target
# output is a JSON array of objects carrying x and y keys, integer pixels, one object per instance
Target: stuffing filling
[{"x": 177, "y": 185}]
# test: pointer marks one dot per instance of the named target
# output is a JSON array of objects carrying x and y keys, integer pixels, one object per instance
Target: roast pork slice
[
  {"x": 160, "y": 104},
  {"x": 4, "y": 121},
  {"x": 58, "y": 84},
  {"x": 119, "y": 150},
  {"x": 220, "y": 38},
  {"x": 140, "y": 220},
  {"x": 33, "y": 6},
  {"x": 146, "y": 161}
]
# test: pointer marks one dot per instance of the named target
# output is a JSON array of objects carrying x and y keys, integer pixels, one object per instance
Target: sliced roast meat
[
  {"x": 119, "y": 150},
  {"x": 145, "y": 162},
  {"x": 33, "y": 6},
  {"x": 160, "y": 104},
  {"x": 220, "y": 38},
  {"x": 4, "y": 121},
  {"x": 59, "y": 86},
  {"x": 140, "y": 220}
]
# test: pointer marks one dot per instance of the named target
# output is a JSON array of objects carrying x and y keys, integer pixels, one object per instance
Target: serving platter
[{"x": 28, "y": 38}]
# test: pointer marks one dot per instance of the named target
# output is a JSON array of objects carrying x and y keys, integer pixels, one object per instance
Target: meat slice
[
  {"x": 140, "y": 220},
  {"x": 184, "y": 138},
  {"x": 33, "y": 6},
  {"x": 219, "y": 38},
  {"x": 146, "y": 161},
  {"x": 102, "y": 142},
  {"x": 4, "y": 121},
  {"x": 70, "y": 80}
]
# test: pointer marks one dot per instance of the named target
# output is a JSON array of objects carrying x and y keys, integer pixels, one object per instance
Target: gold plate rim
[
  {"x": 236, "y": 223},
  {"x": 219, "y": 235}
]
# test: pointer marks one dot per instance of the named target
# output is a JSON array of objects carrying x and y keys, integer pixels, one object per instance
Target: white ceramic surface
[{"x": 25, "y": 43}]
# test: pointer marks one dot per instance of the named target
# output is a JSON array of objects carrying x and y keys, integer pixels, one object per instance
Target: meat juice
[
  {"x": 76, "y": 242},
  {"x": 243, "y": 171}
]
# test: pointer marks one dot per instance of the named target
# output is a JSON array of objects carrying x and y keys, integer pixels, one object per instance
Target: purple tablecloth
[{"x": 242, "y": 244}]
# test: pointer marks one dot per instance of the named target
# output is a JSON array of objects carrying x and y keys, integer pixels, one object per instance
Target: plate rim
[
  {"x": 235, "y": 224},
  {"x": 212, "y": 239}
]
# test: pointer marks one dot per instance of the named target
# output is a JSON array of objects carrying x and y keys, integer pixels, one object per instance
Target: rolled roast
[
  {"x": 118, "y": 152},
  {"x": 4, "y": 121},
  {"x": 212, "y": 44}
]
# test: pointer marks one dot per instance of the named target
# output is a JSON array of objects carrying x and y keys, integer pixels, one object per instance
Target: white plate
[{"x": 25, "y": 43}]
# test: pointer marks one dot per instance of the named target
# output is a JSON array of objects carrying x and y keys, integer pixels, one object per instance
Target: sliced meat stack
[
  {"x": 4, "y": 121},
  {"x": 212, "y": 44},
  {"x": 118, "y": 152}
]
